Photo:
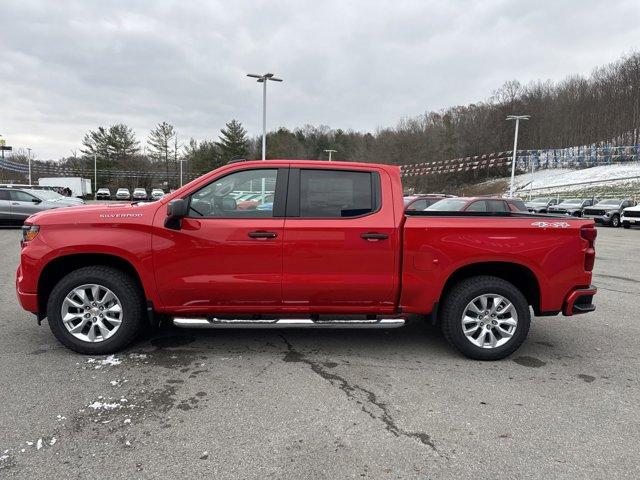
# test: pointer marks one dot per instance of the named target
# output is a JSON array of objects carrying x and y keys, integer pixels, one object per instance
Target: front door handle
[
  {"x": 262, "y": 234},
  {"x": 374, "y": 236}
]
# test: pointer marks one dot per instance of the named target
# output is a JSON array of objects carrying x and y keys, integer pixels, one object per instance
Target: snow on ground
[{"x": 562, "y": 179}]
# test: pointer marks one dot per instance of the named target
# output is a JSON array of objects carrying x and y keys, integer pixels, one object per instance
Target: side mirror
[
  {"x": 176, "y": 211},
  {"x": 36, "y": 200}
]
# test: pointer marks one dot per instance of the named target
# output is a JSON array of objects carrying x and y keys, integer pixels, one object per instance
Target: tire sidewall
[
  {"x": 615, "y": 221},
  {"x": 114, "y": 281},
  {"x": 493, "y": 286}
]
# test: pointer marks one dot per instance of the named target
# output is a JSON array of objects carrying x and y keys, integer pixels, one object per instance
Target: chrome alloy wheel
[
  {"x": 91, "y": 313},
  {"x": 489, "y": 321}
]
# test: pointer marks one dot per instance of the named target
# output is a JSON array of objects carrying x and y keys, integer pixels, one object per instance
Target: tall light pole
[
  {"x": 517, "y": 118},
  {"x": 95, "y": 176},
  {"x": 29, "y": 160},
  {"x": 329, "y": 151},
  {"x": 264, "y": 78}
]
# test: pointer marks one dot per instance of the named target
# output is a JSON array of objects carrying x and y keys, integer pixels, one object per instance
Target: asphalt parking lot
[{"x": 329, "y": 404}]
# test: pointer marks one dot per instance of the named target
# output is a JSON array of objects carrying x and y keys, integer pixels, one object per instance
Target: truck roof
[{"x": 316, "y": 163}]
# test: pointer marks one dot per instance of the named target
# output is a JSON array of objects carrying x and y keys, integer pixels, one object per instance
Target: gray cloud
[{"x": 67, "y": 67}]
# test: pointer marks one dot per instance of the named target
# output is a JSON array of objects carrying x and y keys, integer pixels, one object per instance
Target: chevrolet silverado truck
[{"x": 332, "y": 247}]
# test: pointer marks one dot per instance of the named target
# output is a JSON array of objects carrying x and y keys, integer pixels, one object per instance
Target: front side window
[
  {"x": 244, "y": 194},
  {"x": 18, "y": 196},
  {"x": 479, "y": 206},
  {"x": 418, "y": 205},
  {"x": 336, "y": 193}
]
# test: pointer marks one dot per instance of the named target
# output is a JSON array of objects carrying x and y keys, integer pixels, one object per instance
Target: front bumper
[
  {"x": 28, "y": 301},
  {"x": 600, "y": 219},
  {"x": 579, "y": 301},
  {"x": 630, "y": 220}
]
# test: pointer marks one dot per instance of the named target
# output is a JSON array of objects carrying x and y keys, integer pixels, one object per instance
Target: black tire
[
  {"x": 122, "y": 285},
  {"x": 626, "y": 225},
  {"x": 615, "y": 221},
  {"x": 457, "y": 300}
]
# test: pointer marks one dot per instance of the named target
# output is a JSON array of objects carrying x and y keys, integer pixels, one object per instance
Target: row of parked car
[
  {"x": 613, "y": 212},
  {"x": 124, "y": 194}
]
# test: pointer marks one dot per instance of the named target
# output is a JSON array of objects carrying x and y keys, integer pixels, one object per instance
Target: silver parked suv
[
  {"x": 18, "y": 204},
  {"x": 608, "y": 212}
]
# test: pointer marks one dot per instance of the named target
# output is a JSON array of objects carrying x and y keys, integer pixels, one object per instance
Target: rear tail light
[{"x": 589, "y": 233}]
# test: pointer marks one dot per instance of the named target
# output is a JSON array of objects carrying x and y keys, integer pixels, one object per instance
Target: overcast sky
[{"x": 70, "y": 66}]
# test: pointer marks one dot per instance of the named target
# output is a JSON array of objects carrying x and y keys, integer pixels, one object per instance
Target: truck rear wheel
[
  {"x": 485, "y": 318},
  {"x": 95, "y": 310}
]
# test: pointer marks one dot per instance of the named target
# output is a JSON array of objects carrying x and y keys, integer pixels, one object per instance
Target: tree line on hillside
[{"x": 601, "y": 108}]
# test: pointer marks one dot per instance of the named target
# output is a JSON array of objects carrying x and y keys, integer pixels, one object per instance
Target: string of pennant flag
[{"x": 571, "y": 157}]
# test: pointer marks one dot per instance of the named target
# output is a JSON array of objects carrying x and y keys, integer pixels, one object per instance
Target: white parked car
[
  {"x": 139, "y": 194},
  {"x": 103, "y": 194},
  {"x": 157, "y": 194},
  {"x": 630, "y": 216},
  {"x": 123, "y": 194}
]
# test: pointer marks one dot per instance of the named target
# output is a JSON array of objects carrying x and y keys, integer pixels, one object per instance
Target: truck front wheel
[
  {"x": 95, "y": 310},
  {"x": 485, "y": 318}
]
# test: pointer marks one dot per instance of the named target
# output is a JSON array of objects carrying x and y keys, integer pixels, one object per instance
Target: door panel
[
  {"x": 328, "y": 265},
  {"x": 5, "y": 207},
  {"x": 23, "y": 205},
  {"x": 227, "y": 256},
  {"x": 212, "y": 263}
]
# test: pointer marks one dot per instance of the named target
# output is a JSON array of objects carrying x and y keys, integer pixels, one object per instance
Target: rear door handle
[
  {"x": 374, "y": 236},
  {"x": 262, "y": 234}
]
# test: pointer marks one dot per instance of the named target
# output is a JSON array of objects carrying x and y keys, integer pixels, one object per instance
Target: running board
[{"x": 287, "y": 323}]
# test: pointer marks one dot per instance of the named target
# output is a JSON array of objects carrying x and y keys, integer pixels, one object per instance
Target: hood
[
  {"x": 604, "y": 207},
  {"x": 94, "y": 213}
]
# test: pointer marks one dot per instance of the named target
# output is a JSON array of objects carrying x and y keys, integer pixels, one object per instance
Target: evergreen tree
[
  {"x": 233, "y": 141},
  {"x": 161, "y": 145}
]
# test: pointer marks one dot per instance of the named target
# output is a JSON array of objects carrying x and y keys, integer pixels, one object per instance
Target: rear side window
[
  {"x": 4, "y": 195},
  {"x": 336, "y": 193}
]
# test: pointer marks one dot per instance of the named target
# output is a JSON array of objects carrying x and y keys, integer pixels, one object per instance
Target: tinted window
[
  {"x": 332, "y": 193},
  {"x": 496, "y": 206},
  {"x": 4, "y": 195},
  {"x": 18, "y": 196},
  {"x": 418, "y": 205},
  {"x": 448, "y": 205},
  {"x": 519, "y": 205},
  {"x": 479, "y": 206},
  {"x": 221, "y": 197}
]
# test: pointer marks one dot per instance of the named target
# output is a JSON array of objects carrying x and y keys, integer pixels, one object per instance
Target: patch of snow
[
  {"x": 53, "y": 441},
  {"x": 138, "y": 356},
  {"x": 561, "y": 179},
  {"x": 111, "y": 360},
  {"x": 104, "y": 406},
  {"x": 39, "y": 444}
]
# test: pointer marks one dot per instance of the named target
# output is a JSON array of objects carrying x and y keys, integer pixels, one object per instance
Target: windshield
[
  {"x": 609, "y": 202},
  {"x": 448, "y": 205},
  {"x": 541, "y": 200},
  {"x": 572, "y": 201}
]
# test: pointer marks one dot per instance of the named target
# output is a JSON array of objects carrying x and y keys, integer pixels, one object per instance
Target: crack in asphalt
[{"x": 364, "y": 397}]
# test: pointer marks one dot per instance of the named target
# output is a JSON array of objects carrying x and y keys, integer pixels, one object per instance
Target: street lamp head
[
  {"x": 264, "y": 77},
  {"x": 518, "y": 117}
]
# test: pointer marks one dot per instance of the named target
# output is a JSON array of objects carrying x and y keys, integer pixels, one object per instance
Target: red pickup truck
[{"x": 328, "y": 246}]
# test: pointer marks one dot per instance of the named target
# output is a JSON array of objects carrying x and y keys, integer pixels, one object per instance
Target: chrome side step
[{"x": 287, "y": 323}]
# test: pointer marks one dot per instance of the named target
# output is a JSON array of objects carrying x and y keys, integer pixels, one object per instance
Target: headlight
[
  {"x": 29, "y": 232},
  {"x": 607, "y": 214}
]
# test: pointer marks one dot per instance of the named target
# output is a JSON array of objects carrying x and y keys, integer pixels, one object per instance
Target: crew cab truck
[{"x": 335, "y": 250}]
